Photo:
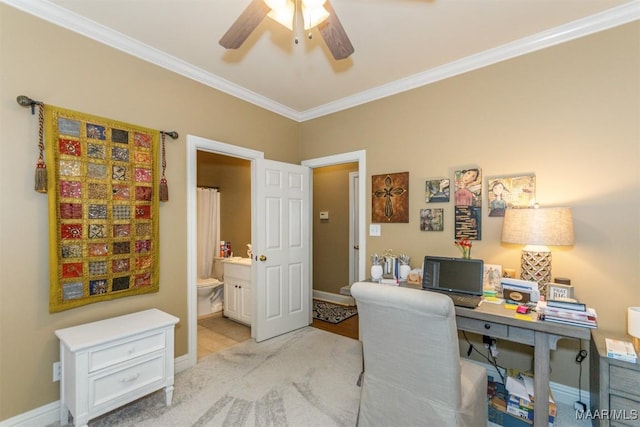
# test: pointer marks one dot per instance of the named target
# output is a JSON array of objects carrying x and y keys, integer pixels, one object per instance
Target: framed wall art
[
  {"x": 510, "y": 192},
  {"x": 468, "y": 204},
  {"x": 431, "y": 219},
  {"x": 437, "y": 190},
  {"x": 390, "y": 197}
]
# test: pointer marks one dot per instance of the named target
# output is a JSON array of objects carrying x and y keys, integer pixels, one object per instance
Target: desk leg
[{"x": 541, "y": 380}]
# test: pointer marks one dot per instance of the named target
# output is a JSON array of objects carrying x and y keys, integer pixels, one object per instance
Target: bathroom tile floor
[{"x": 216, "y": 333}]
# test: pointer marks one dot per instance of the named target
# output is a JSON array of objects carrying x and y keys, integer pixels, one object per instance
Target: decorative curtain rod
[
  {"x": 206, "y": 187},
  {"x": 41, "y": 171},
  {"x": 25, "y": 101}
]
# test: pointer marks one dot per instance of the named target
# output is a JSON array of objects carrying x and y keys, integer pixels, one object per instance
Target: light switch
[
  {"x": 324, "y": 215},
  {"x": 374, "y": 229}
]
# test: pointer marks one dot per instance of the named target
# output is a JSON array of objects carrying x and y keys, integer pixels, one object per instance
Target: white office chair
[{"x": 413, "y": 374}]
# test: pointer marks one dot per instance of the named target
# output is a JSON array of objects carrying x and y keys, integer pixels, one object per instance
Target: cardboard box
[
  {"x": 520, "y": 397},
  {"x": 498, "y": 414},
  {"x": 524, "y": 408}
]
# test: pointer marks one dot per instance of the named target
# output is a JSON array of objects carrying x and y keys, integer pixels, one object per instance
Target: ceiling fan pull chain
[{"x": 296, "y": 21}]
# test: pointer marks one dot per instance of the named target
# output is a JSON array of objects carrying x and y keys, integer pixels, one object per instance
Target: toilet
[{"x": 210, "y": 291}]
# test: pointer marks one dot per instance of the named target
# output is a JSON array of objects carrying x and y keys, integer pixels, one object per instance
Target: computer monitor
[{"x": 453, "y": 274}]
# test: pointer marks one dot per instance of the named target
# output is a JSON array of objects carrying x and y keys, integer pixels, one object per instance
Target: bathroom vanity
[
  {"x": 237, "y": 290},
  {"x": 109, "y": 363}
]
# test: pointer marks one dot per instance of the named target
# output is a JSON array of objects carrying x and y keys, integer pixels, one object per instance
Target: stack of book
[{"x": 567, "y": 312}]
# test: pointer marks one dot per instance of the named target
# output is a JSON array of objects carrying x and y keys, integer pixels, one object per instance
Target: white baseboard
[
  {"x": 334, "y": 298},
  {"x": 50, "y": 413}
]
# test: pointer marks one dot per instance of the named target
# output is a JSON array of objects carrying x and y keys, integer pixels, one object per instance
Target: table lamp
[
  {"x": 537, "y": 228},
  {"x": 633, "y": 326}
]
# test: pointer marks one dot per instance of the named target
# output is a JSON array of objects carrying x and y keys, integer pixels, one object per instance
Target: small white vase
[
  {"x": 376, "y": 272},
  {"x": 404, "y": 271}
]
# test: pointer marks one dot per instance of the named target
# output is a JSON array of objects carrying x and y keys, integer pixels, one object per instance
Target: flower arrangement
[{"x": 465, "y": 247}]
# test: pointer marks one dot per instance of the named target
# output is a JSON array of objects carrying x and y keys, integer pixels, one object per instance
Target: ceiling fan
[{"x": 314, "y": 13}]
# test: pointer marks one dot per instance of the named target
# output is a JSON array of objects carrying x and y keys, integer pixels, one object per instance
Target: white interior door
[
  {"x": 354, "y": 227},
  {"x": 282, "y": 251}
]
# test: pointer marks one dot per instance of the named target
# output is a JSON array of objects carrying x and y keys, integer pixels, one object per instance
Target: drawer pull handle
[
  {"x": 487, "y": 326},
  {"x": 130, "y": 378}
]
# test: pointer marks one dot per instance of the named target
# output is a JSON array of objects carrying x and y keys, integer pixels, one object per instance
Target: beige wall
[
  {"x": 232, "y": 176},
  {"x": 61, "y": 68},
  {"x": 331, "y": 237},
  {"x": 570, "y": 114}
]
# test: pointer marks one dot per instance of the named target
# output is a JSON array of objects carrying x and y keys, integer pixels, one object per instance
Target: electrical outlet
[{"x": 57, "y": 371}]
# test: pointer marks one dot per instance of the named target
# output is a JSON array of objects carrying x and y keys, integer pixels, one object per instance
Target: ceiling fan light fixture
[
  {"x": 313, "y": 13},
  {"x": 282, "y": 12}
]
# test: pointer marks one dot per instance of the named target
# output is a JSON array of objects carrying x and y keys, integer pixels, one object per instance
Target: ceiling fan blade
[
  {"x": 334, "y": 35},
  {"x": 244, "y": 25}
]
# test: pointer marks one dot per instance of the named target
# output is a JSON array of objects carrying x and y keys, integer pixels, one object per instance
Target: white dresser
[{"x": 109, "y": 363}]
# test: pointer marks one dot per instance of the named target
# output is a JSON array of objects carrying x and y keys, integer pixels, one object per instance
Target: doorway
[
  {"x": 195, "y": 144},
  {"x": 333, "y": 239}
]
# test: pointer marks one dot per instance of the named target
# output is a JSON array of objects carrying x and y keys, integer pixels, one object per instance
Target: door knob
[{"x": 263, "y": 258}]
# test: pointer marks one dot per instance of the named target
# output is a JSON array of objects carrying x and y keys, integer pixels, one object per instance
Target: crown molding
[
  {"x": 67, "y": 19},
  {"x": 611, "y": 18}
]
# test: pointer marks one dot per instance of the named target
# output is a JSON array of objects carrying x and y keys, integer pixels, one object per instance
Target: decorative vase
[
  {"x": 404, "y": 271},
  {"x": 466, "y": 252},
  {"x": 376, "y": 272}
]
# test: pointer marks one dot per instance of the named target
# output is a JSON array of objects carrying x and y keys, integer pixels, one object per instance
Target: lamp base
[{"x": 536, "y": 267}]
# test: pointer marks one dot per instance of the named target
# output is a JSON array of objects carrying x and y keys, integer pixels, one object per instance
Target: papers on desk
[
  {"x": 621, "y": 350},
  {"x": 585, "y": 319}
]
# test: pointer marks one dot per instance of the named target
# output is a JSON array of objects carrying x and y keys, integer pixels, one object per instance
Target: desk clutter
[
  {"x": 621, "y": 350},
  {"x": 512, "y": 405},
  {"x": 568, "y": 313}
]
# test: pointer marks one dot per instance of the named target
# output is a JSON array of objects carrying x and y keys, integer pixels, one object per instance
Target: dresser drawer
[
  {"x": 624, "y": 411},
  {"x": 626, "y": 380},
  {"x": 109, "y": 386},
  {"x": 125, "y": 350}
]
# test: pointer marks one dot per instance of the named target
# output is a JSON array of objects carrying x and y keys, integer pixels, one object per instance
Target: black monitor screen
[{"x": 453, "y": 274}]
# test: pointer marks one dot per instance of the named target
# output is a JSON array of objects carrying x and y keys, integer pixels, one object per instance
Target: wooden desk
[
  {"x": 496, "y": 321},
  {"x": 499, "y": 322}
]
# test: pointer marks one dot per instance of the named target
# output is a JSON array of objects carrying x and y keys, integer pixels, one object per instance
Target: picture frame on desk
[{"x": 559, "y": 291}]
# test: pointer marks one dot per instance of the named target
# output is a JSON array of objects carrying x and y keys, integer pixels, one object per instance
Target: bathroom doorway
[
  {"x": 230, "y": 178},
  {"x": 195, "y": 144}
]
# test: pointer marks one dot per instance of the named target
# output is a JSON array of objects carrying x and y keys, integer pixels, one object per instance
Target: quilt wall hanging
[{"x": 103, "y": 208}]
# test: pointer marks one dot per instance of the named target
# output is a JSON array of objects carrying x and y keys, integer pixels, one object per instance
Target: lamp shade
[
  {"x": 633, "y": 321},
  {"x": 539, "y": 226}
]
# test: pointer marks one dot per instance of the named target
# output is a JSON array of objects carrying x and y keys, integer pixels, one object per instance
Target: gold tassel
[
  {"x": 41, "y": 177},
  {"x": 164, "y": 188},
  {"x": 41, "y": 167}
]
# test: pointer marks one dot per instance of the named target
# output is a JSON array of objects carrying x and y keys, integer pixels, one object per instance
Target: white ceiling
[{"x": 399, "y": 44}]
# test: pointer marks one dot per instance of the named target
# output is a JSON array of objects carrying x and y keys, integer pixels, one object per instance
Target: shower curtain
[{"x": 208, "y": 230}]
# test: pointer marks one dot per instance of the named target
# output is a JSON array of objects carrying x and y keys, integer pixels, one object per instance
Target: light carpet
[{"x": 304, "y": 378}]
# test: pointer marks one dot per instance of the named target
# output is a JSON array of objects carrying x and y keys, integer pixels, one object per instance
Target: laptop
[{"x": 458, "y": 278}]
